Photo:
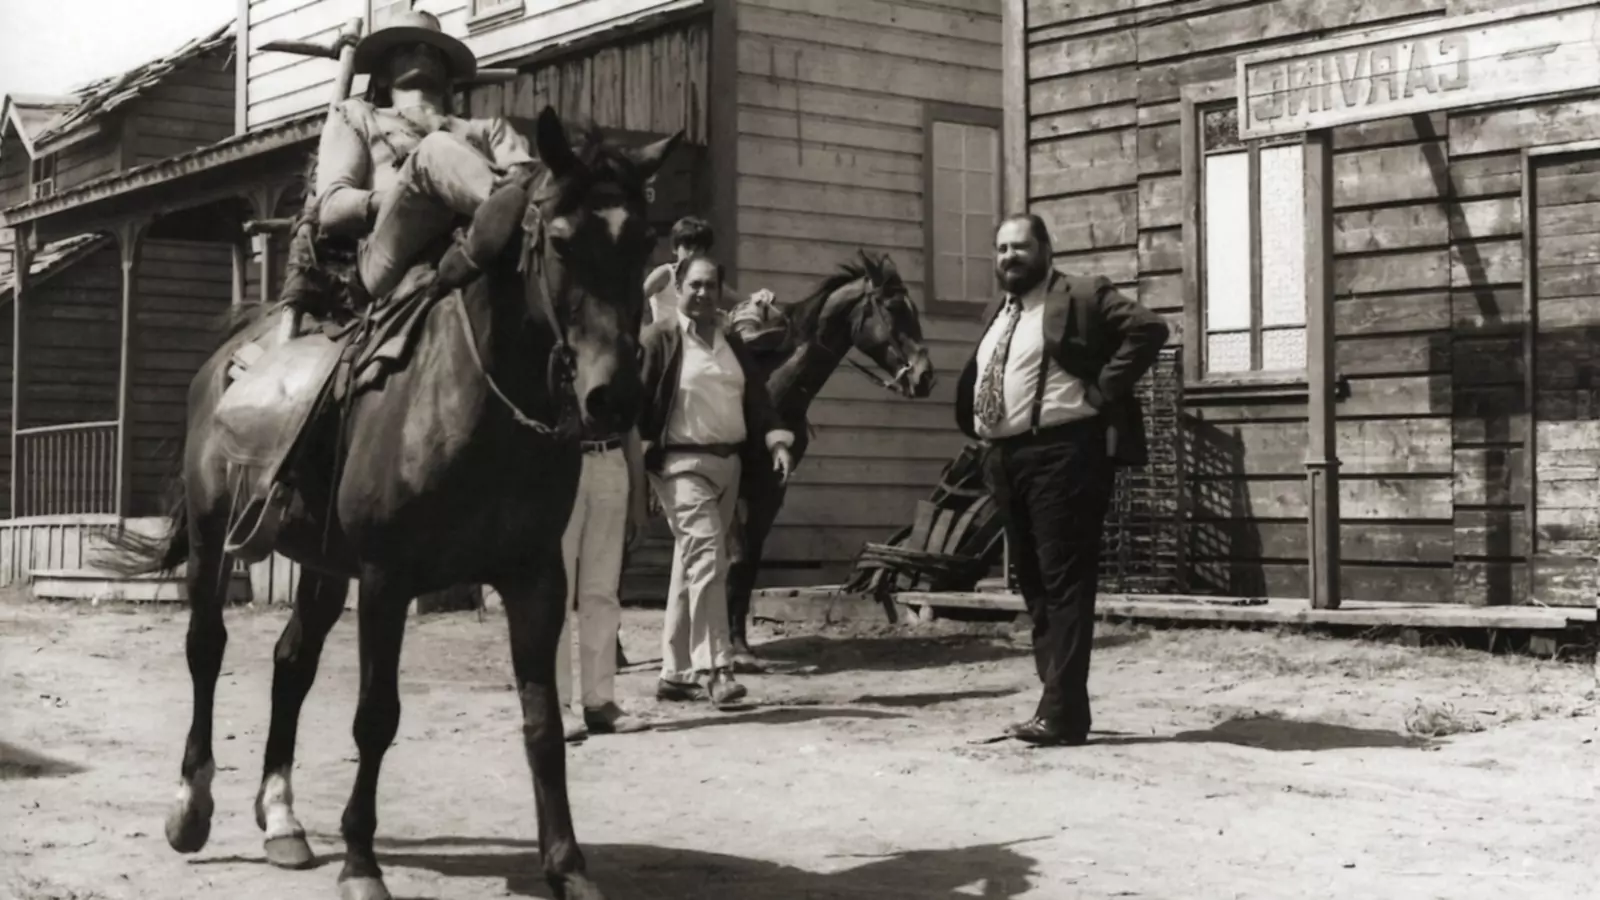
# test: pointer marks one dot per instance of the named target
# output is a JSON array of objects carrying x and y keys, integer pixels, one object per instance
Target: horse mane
[{"x": 805, "y": 314}]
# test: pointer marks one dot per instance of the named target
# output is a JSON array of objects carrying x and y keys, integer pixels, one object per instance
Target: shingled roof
[
  {"x": 53, "y": 257},
  {"x": 97, "y": 98},
  {"x": 30, "y": 114}
]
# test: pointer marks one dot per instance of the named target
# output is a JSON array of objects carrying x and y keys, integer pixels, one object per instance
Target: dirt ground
[{"x": 1226, "y": 764}]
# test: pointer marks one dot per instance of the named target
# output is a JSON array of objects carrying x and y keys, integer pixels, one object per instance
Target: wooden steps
[{"x": 104, "y": 587}]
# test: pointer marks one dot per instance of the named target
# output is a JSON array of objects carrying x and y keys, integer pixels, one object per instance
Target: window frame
[
  {"x": 496, "y": 13},
  {"x": 954, "y": 114},
  {"x": 1196, "y": 100},
  {"x": 44, "y": 164}
]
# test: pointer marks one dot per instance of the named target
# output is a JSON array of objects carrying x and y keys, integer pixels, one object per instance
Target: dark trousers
[{"x": 1053, "y": 489}]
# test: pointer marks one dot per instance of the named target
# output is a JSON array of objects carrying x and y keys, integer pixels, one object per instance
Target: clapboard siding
[
  {"x": 13, "y": 170},
  {"x": 182, "y": 289},
  {"x": 831, "y": 97},
  {"x": 88, "y": 159},
  {"x": 281, "y": 85},
  {"x": 1428, "y": 231},
  {"x": 190, "y": 108},
  {"x": 74, "y": 336}
]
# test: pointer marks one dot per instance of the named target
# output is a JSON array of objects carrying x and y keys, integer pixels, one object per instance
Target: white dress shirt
[
  {"x": 709, "y": 406},
  {"x": 1063, "y": 399}
]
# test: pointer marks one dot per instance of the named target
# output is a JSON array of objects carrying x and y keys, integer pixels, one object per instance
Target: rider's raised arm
[
  {"x": 343, "y": 166},
  {"x": 507, "y": 146}
]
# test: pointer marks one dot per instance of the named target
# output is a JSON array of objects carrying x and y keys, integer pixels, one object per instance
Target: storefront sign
[{"x": 1523, "y": 51}]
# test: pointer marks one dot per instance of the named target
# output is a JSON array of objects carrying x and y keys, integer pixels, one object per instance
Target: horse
[
  {"x": 461, "y": 467},
  {"x": 864, "y": 306}
]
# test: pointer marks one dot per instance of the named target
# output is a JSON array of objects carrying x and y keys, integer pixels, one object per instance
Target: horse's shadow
[{"x": 640, "y": 872}]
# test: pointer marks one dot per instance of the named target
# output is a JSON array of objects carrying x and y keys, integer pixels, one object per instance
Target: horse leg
[
  {"x": 761, "y": 510},
  {"x": 534, "y": 609},
  {"x": 189, "y": 822},
  {"x": 318, "y": 602},
  {"x": 381, "y": 618}
]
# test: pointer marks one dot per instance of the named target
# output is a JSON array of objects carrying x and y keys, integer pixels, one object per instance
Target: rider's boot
[{"x": 493, "y": 226}]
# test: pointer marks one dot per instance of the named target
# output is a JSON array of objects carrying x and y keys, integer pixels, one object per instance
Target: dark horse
[
  {"x": 865, "y": 307},
  {"x": 449, "y": 472}
]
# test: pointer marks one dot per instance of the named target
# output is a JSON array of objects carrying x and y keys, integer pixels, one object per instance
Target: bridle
[
  {"x": 873, "y": 295},
  {"x": 560, "y": 371}
]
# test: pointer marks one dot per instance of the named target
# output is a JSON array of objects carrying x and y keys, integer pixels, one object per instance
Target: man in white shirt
[
  {"x": 1049, "y": 389},
  {"x": 691, "y": 236},
  {"x": 705, "y": 418}
]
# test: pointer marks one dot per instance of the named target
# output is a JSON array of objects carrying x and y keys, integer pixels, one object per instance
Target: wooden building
[
  {"x": 814, "y": 127},
  {"x": 1449, "y": 245}
]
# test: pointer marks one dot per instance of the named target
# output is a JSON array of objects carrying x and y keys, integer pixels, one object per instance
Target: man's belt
[
  {"x": 602, "y": 446},
  {"x": 713, "y": 449}
]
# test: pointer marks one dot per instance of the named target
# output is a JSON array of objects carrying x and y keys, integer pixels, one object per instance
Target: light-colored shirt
[
  {"x": 664, "y": 303},
  {"x": 709, "y": 406},
  {"x": 357, "y": 153},
  {"x": 1063, "y": 399}
]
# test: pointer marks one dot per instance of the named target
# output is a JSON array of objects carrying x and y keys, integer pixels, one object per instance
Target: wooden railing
[{"x": 66, "y": 469}]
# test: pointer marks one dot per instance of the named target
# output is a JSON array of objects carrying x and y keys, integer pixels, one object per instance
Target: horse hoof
[
  {"x": 188, "y": 829},
  {"x": 576, "y": 887},
  {"x": 363, "y": 889},
  {"x": 290, "y": 852}
]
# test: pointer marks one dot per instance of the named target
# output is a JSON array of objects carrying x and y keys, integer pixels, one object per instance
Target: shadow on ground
[
  {"x": 1280, "y": 734},
  {"x": 18, "y": 763},
  {"x": 637, "y": 872},
  {"x": 782, "y": 715},
  {"x": 820, "y": 655}
]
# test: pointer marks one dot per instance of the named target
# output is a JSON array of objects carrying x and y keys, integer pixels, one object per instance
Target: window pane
[
  {"x": 1226, "y": 223},
  {"x": 981, "y": 143},
  {"x": 947, "y": 190},
  {"x": 980, "y": 280},
  {"x": 947, "y": 277},
  {"x": 981, "y": 192},
  {"x": 980, "y": 236},
  {"x": 1283, "y": 236},
  {"x": 1228, "y": 352},
  {"x": 947, "y": 233},
  {"x": 1220, "y": 129},
  {"x": 1283, "y": 349},
  {"x": 947, "y": 145}
]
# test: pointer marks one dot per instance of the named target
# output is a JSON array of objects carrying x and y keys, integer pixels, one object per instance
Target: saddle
[
  {"x": 763, "y": 326},
  {"x": 325, "y": 343}
]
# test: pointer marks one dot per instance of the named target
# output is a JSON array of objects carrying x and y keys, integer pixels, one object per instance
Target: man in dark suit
[
  {"x": 707, "y": 415},
  {"x": 1049, "y": 389}
]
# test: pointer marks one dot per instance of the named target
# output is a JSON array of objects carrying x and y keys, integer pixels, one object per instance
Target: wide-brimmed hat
[{"x": 414, "y": 27}]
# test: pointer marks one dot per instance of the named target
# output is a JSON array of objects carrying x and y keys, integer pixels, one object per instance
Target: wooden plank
[
  {"x": 1053, "y": 95},
  {"x": 1161, "y": 293},
  {"x": 1488, "y": 310},
  {"x": 1365, "y": 447},
  {"x": 1161, "y": 251},
  {"x": 1429, "y": 311},
  {"x": 1085, "y": 163},
  {"x": 1527, "y": 125},
  {"x": 1491, "y": 476},
  {"x": 1257, "y": 23},
  {"x": 1494, "y": 359},
  {"x": 1489, "y": 415},
  {"x": 1412, "y": 271},
  {"x": 1406, "y": 395},
  {"x": 1390, "y": 228},
  {"x": 1359, "y": 498},
  {"x": 1483, "y": 263},
  {"x": 1083, "y": 121},
  {"x": 1393, "y": 354},
  {"x": 1254, "y": 539},
  {"x": 1091, "y": 222},
  {"x": 1395, "y": 130},
  {"x": 764, "y": 57},
  {"x": 1160, "y": 150},
  {"x": 829, "y": 28},
  {"x": 1482, "y": 176},
  {"x": 1121, "y": 266},
  {"x": 1161, "y": 201},
  {"x": 1390, "y": 174},
  {"x": 1567, "y": 581},
  {"x": 1070, "y": 57},
  {"x": 1493, "y": 533}
]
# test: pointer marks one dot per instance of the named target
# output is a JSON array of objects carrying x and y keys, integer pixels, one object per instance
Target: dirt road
[{"x": 1227, "y": 765}]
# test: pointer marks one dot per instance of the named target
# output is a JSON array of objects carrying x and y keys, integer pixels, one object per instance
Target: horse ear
[
  {"x": 887, "y": 268},
  {"x": 550, "y": 138},
  {"x": 648, "y": 159},
  {"x": 870, "y": 265}
]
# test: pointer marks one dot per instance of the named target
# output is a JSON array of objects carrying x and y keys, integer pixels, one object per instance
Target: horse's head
[
  {"x": 882, "y": 323},
  {"x": 589, "y": 240}
]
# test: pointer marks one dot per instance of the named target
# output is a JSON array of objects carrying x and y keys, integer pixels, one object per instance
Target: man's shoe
[
  {"x": 573, "y": 728},
  {"x": 1045, "y": 734},
  {"x": 724, "y": 690},
  {"x": 678, "y": 691},
  {"x": 610, "y": 719},
  {"x": 744, "y": 662}
]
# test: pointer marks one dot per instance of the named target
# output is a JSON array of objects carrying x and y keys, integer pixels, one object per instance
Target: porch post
[
  {"x": 1322, "y": 455},
  {"x": 264, "y": 203},
  {"x": 130, "y": 237},
  {"x": 21, "y": 261}
]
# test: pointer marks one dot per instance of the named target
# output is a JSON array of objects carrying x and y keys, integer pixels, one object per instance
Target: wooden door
[{"x": 1564, "y": 511}]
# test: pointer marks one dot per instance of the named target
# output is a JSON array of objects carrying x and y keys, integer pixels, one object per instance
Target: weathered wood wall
[
  {"x": 281, "y": 85},
  {"x": 71, "y": 322},
  {"x": 190, "y": 108},
  {"x": 831, "y": 97},
  {"x": 1428, "y": 270},
  {"x": 182, "y": 288},
  {"x": 13, "y": 170}
]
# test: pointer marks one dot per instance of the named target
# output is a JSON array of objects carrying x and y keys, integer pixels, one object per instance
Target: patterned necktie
[{"x": 990, "y": 405}]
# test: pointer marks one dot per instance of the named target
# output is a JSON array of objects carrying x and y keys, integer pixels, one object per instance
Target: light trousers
[
  {"x": 591, "y": 549},
  {"x": 444, "y": 177},
  {"x": 699, "y": 494}
]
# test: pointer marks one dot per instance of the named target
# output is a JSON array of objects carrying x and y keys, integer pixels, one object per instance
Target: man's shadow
[{"x": 640, "y": 872}]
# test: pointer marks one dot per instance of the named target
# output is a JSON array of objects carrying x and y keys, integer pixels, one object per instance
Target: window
[
  {"x": 493, "y": 9},
  {"x": 1253, "y": 255},
  {"x": 962, "y": 193},
  {"x": 43, "y": 181}
]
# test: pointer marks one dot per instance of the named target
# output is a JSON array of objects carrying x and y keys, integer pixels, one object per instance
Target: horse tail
[{"x": 132, "y": 553}]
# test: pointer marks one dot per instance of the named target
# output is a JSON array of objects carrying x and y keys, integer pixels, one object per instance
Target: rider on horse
[{"x": 396, "y": 169}]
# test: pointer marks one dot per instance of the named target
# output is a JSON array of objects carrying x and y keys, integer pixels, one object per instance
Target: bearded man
[
  {"x": 1055, "y": 407},
  {"x": 396, "y": 169}
]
